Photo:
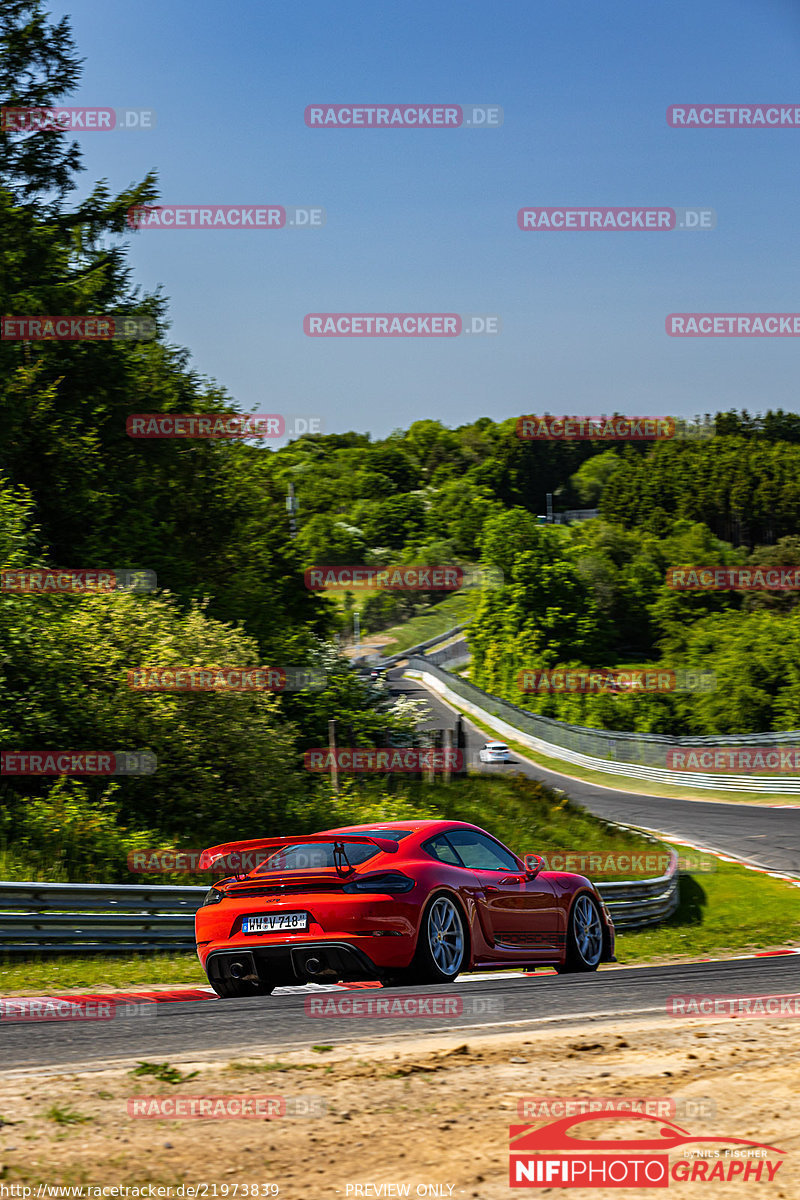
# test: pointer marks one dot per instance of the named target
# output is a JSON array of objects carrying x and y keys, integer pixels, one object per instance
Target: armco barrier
[
  {"x": 92, "y": 918},
  {"x": 422, "y": 646},
  {"x": 648, "y": 902},
  {"x": 457, "y": 654},
  {"x": 96, "y": 918},
  {"x": 636, "y": 755}
]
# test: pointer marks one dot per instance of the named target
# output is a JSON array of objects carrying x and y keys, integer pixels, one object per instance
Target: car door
[{"x": 521, "y": 917}]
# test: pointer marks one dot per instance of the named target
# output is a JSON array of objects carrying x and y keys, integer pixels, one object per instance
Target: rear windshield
[
  {"x": 310, "y": 855},
  {"x": 316, "y": 855}
]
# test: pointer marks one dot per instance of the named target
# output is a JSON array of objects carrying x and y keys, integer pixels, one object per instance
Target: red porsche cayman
[{"x": 402, "y": 902}]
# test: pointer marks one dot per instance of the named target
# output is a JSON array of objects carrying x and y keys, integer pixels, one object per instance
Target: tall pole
[
  {"x": 461, "y": 744},
  {"x": 291, "y": 508},
  {"x": 448, "y": 752},
  {"x": 334, "y": 763},
  {"x": 428, "y": 773}
]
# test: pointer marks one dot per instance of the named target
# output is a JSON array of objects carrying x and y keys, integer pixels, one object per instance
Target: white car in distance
[{"x": 495, "y": 752}]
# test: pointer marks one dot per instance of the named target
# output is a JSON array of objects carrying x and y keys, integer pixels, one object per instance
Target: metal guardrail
[
  {"x": 421, "y": 647},
  {"x": 645, "y": 902},
  {"x": 92, "y": 918},
  {"x": 569, "y": 515},
  {"x": 457, "y": 654},
  {"x": 96, "y": 918},
  {"x": 636, "y": 755}
]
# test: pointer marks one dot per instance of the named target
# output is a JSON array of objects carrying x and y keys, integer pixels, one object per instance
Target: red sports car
[{"x": 402, "y": 902}]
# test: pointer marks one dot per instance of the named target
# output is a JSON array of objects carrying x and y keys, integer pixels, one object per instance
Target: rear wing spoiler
[{"x": 229, "y": 849}]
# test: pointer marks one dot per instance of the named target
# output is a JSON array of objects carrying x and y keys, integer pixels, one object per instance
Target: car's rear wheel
[
  {"x": 584, "y": 936},
  {"x": 441, "y": 946}
]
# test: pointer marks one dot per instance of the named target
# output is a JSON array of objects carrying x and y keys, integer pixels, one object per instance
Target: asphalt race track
[
  {"x": 271, "y": 1025},
  {"x": 768, "y": 837}
]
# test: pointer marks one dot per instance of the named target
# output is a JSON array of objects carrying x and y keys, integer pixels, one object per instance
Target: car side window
[
  {"x": 480, "y": 853},
  {"x": 439, "y": 847}
]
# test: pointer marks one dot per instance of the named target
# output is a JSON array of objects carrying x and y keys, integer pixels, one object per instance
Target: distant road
[{"x": 767, "y": 837}]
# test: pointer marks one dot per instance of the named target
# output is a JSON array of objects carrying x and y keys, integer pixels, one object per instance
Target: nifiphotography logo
[{"x": 559, "y": 1155}]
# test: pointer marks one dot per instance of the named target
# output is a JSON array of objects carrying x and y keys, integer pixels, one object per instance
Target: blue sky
[{"x": 425, "y": 221}]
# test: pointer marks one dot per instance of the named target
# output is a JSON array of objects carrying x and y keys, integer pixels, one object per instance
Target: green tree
[
  {"x": 396, "y": 522},
  {"x": 323, "y": 539},
  {"x": 593, "y": 475},
  {"x": 457, "y": 513},
  {"x": 227, "y": 764}
]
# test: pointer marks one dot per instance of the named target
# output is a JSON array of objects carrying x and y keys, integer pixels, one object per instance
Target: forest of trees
[
  {"x": 595, "y": 594},
  {"x": 745, "y": 485}
]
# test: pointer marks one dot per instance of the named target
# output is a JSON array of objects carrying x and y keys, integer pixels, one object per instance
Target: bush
[{"x": 68, "y": 836}]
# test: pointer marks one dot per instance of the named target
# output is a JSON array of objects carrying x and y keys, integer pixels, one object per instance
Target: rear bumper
[
  {"x": 298, "y": 963},
  {"x": 376, "y": 929}
]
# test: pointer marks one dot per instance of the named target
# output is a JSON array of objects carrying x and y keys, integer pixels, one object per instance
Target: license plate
[{"x": 272, "y": 922}]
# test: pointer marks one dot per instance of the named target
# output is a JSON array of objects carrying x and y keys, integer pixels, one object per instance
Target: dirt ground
[
  {"x": 369, "y": 644},
  {"x": 431, "y": 1114}
]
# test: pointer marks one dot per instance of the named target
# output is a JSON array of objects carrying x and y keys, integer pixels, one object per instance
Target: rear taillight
[
  {"x": 380, "y": 881},
  {"x": 212, "y": 896}
]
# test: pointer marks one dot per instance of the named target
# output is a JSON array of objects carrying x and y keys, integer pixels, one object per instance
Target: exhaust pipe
[
  {"x": 239, "y": 971},
  {"x": 313, "y": 966}
]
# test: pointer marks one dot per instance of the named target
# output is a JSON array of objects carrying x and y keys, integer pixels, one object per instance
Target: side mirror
[{"x": 533, "y": 865}]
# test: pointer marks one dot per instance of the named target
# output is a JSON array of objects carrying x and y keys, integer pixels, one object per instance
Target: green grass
[
  {"x": 729, "y": 910},
  {"x": 163, "y": 1072},
  {"x": 456, "y": 609},
  {"x": 13, "y": 869},
  {"x": 65, "y": 1116},
  {"x": 43, "y": 976}
]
